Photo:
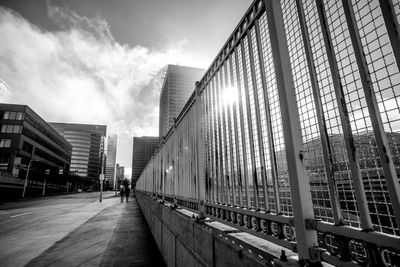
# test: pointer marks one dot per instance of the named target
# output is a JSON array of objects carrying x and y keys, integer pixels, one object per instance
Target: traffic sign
[{"x": 101, "y": 177}]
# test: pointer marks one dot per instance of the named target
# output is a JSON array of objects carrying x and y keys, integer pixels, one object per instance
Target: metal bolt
[{"x": 283, "y": 256}]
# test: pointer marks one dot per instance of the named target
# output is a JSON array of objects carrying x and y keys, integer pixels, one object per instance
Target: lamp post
[
  {"x": 26, "y": 177},
  {"x": 101, "y": 178},
  {"x": 46, "y": 173}
]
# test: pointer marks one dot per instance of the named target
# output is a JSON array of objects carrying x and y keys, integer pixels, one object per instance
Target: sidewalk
[
  {"x": 116, "y": 236},
  {"x": 132, "y": 243}
]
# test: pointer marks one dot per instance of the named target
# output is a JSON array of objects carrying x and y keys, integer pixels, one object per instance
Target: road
[{"x": 74, "y": 229}]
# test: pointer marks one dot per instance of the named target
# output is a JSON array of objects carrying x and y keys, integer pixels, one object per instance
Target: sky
[{"x": 101, "y": 61}]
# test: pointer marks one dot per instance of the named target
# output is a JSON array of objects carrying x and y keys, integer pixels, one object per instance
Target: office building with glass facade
[
  {"x": 120, "y": 174},
  {"x": 111, "y": 159},
  {"x": 87, "y": 142},
  {"x": 25, "y": 137},
  {"x": 179, "y": 83}
]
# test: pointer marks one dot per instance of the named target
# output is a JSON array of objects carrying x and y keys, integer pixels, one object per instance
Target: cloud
[{"x": 81, "y": 74}]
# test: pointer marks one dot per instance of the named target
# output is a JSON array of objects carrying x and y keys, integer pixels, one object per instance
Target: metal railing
[{"x": 293, "y": 133}]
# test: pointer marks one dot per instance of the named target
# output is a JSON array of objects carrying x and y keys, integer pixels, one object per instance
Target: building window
[
  {"x": 5, "y": 142},
  {"x": 11, "y": 128},
  {"x": 13, "y": 115},
  {"x": 20, "y": 116},
  {"x": 6, "y": 115},
  {"x": 17, "y": 129}
]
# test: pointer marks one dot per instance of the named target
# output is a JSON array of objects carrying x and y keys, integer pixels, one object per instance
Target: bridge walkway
[{"x": 131, "y": 243}]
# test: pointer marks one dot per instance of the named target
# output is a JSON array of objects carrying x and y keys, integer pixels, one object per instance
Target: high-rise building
[
  {"x": 111, "y": 159},
  {"x": 87, "y": 147},
  {"x": 120, "y": 174},
  {"x": 26, "y": 139},
  {"x": 179, "y": 84},
  {"x": 143, "y": 149}
]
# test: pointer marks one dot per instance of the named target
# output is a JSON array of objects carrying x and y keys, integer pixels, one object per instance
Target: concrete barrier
[{"x": 186, "y": 241}]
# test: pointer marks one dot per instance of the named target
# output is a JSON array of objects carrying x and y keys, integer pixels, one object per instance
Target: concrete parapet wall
[{"x": 185, "y": 241}]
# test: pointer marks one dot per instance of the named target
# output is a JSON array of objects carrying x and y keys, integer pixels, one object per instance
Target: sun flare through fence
[{"x": 293, "y": 133}]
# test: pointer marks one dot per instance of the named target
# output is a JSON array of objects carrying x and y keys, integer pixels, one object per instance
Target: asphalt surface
[{"x": 76, "y": 230}]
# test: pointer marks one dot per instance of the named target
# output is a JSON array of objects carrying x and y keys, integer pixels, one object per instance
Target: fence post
[
  {"x": 200, "y": 179},
  {"x": 299, "y": 181}
]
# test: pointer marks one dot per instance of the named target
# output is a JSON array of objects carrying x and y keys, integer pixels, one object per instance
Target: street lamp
[
  {"x": 101, "y": 178},
  {"x": 46, "y": 173},
  {"x": 26, "y": 177}
]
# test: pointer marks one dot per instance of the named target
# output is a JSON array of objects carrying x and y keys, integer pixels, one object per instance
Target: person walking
[
  {"x": 126, "y": 189},
  {"x": 121, "y": 192}
]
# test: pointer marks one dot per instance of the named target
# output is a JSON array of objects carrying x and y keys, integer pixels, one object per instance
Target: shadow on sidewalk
[
  {"x": 116, "y": 236},
  {"x": 132, "y": 243}
]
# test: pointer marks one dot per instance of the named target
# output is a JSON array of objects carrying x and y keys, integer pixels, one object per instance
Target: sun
[{"x": 229, "y": 96}]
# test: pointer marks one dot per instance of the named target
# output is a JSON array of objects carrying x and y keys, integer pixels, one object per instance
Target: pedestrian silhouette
[
  {"x": 121, "y": 192},
  {"x": 126, "y": 189}
]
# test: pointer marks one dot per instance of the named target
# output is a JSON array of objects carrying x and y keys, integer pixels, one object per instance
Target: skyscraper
[
  {"x": 179, "y": 84},
  {"x": 143, "y": 149},
  {"x": 87, "y": 147},
  {"x": 120, "y": 174},
  {"x": 111, "y": 159}
]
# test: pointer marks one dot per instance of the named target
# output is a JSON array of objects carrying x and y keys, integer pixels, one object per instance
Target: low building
[{"x": 28, "y": 140}]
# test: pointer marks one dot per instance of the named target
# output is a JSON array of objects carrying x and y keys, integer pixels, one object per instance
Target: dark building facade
[
  {"x": 119, "y": 174},
  {"x": 25, "y": 137},
  {"x": 143, "y": 149},
  {"x": 87, "y": 147},
  {"x": 179, "y": 84}
]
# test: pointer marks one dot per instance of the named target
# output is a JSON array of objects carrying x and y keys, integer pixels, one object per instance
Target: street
[{"x": 68, "y": 230}]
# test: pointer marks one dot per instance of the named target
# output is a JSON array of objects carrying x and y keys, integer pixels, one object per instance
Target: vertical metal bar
[
  {"x": 220, "y": 133},
  {"x": 207, "y": 148},
  {"x": 199, "y": 157},
  {"x": 179, "y": 163},
  {"x": 188, "y": 133},
  {"x": 225, "y": 137},
  {"x": 392, "y": 26},
  {"x": 373, "y": 108},
  {"x": 258, "y": 116},
  {"x": 242, "y": 129},
  {"x": 229, "y": 110},
  {"x": 163, "y": 171},
  {"x": 213, "y": 138},
  {"x": 198, "y": 143},
  {"x": 209, "y": 144},
  {"x": 204, "y": 141},
  {"x": 249, "y": 121},
  {"x": 299, "y": 185},
  {"x": 361, "y": 199},
  {"x": 174, "y": 165},
  {"x": 235, "y": 123},
  {"x": 217, "y": 154},
  {"x": 274, "y": 168},
  {"x": 156, "y": 177},
  {"x": 326, "y": 149}
]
